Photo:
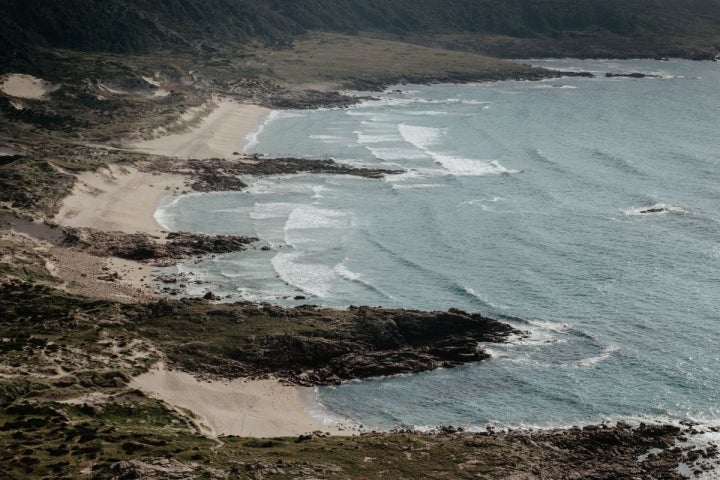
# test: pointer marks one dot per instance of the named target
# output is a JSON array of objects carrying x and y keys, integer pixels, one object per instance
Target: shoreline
[
  {"x": 220, "y": 134},
  {"x": 124, "y": 198},
  {"x": 119, "y": 198},
  {"x": 242, "y": 407}
]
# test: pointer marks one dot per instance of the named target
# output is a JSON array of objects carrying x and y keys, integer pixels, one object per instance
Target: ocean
[{"x": 583, "y": 211}]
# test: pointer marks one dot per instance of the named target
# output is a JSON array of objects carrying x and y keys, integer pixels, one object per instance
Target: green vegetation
[
  {"x": 22, "y": 260},
  {"x": 335, "y": 61},
  {"x": 36, "y": 183},
  {"x": 52, "y": 331},
  {"x": 129, "y": 436}
]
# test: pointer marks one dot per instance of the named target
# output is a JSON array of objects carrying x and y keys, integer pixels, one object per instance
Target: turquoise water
[{"x": 523, "y": 201}]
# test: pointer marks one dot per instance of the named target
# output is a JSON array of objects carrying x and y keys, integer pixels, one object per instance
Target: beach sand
[
  {"x": 218, "y": 135},
  {"x": 118, "y": 198},
  {"x": 248, "y": 408}
]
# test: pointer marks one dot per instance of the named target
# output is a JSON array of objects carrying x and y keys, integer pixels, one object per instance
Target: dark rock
[
  {"x": 210, "y": 296},
  {"x": 143, "y": 247},
  {"x": 654, "y": 210},
  {"x": 331, "y": 346},
  {"x": 630, "y": 75}
]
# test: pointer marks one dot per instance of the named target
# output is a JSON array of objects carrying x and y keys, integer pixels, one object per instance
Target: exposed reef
[{"x": 217, "y": 174}]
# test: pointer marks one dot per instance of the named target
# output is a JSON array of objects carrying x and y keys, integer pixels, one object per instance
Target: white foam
[
  {"x": 328, "y": 138},
  {"x": 312, "y": 279},
  {"x": 163, "y": 215},
  {"x": 398, "y": 101},
  {"x": 607, "y": 352},
  {"x": 319, "y": 411},
  {"x": 415, "y": 173},
  {"x": 346, "y": 273},
  {"x": 251, "y": 139},
  {"x": 356, "y": 113},
  {"x": 364, "y": 138},
  {"x": 258, "y": 295},
  {"x": 416, "y": 186},
  {"x": 425, "y": 137},
  {"x": 318, "y": 191},
  {"x": 276, "y": 185},
  {"x": 310, "y": 216},
  {"x": 420, "y": 137},
  {"x": 479, "y": 201},
  {"x": 470, "y": 167},
  {"x": 267, "y": 211},
  {"x": 664, "y": 210},
  {"x": 431, "y": 113},
  {"x": 392, "y": 153}
]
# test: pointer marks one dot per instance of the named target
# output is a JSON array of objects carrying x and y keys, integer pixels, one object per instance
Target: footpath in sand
[{"x": 248, "y": 408}]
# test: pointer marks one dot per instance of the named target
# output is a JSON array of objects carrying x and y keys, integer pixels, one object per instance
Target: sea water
[{"x": 519, "y": 200}]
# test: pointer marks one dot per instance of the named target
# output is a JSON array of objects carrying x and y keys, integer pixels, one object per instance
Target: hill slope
[{"x": 125, "y": 26}]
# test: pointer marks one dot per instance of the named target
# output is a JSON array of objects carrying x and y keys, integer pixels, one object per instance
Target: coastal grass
[
  {"x": 21, "y": 260},
  {"x": 66, "y": 410},
  {"x": 330, "y": 61},
  {"x": 129, "y": 436}
]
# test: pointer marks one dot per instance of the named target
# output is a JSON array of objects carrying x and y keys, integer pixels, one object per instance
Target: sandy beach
[
  {"x": 249, "y": 408},
  {"x": 219, "y": 134},
  {"x": 123, "y": 198},
  {"x": 118, "y": 198}
]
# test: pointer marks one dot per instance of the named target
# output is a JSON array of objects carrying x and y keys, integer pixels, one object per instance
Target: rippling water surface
[{"x": 523, "y": 201}]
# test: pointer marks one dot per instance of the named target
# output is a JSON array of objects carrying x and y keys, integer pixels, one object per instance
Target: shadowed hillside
[{"x": 124, "y": 26}]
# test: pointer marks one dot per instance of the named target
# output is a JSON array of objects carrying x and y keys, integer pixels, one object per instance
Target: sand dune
[
  {"x": 26, "y": 86},
  {"x": 118, "y": 198}
]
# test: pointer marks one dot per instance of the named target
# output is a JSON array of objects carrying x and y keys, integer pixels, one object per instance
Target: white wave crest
[
  {"x": 468, "y": 166},
  {"x": 346, "y": 273},
  {"x": 392, "y": 153},
  {"x": 364, "y": 138},
  {"x": 267, "y": 211},
  {"x": 328, "y": 138},
  {"x": 420, "y": 137},
  {"x": 607, "y": 352},
  {"x": 251, "y": 139},
  {"x": 310, "y": 216},
  {"x": 415, "y": 186},
  {"x": 164, "y": 215},
  {"x": 425, "y": 137},
  {"x": 312, "y": 279}
]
